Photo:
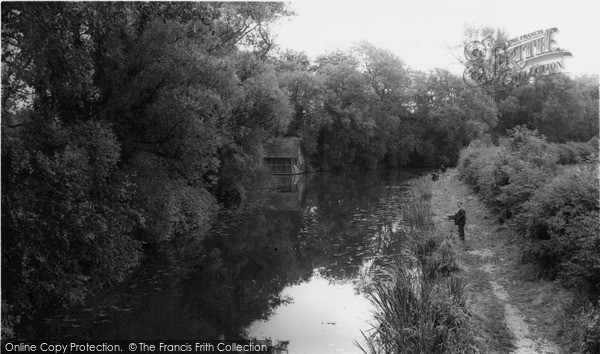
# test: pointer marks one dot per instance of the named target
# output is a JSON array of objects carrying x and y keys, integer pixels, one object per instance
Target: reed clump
[
  {"x": 417, "y": 212},
  {"x": 420, "y": 304}
]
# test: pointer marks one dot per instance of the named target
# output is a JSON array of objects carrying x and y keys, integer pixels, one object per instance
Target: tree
[
  {"x": 559, "y": 107},
  {"x": 114, "y": 117},
  {"x": 387, "y": 74},
  {"x": 305, "y": 92},
  {"x": 349, "y": 126}
]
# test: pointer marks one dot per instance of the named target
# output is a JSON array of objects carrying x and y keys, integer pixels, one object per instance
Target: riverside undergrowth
[
  {"x": 548, "y": 194},
  {"x": 420, "y": 303}
]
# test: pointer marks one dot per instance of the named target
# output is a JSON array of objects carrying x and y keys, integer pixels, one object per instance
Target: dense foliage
[
  {"x": 553, "y": 205},
  {"x": 121, "y": 124},
  {"x": 556, "y": 206},
  {"x": 560, "y": 107},
  {"x": 129, "y": 122}
]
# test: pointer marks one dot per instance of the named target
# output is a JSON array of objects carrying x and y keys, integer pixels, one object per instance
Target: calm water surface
[{"x": 293, "y": 267}]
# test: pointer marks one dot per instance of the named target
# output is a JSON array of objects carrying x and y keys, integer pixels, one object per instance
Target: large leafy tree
[
  {"x": 114, "y": 116},
  {"x": 349, "y": 127},
  {"x": 558, "y": 106},
  {"x": 305, "y": 90}
]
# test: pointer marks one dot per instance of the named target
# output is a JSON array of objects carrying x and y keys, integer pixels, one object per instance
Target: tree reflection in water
[{"x": 218, "y": 287}]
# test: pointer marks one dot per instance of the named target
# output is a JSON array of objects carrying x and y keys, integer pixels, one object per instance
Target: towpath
[{"x": 511, "y": 305}]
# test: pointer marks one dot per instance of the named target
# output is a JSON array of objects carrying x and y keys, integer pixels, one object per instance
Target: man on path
[{"x": 460, "y": 219}]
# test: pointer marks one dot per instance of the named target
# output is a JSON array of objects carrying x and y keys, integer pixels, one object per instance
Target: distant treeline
[{"x": 132, "y": 122}]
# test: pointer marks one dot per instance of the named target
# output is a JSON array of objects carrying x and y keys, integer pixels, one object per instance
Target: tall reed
[
  {"x": 417, "y": 212},
  {"x": 420, "y": 306}
]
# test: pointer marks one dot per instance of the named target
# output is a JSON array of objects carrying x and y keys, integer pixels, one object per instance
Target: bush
[
  {"x": 562, "y": 218},
  {"x": 171, "y": 207},
  {"x": 554, "y": 206},
  {"x": 480, "y": 166},
  {"x": 591, "y": 339},
  {"x": 551, "y": 193},
  {"x": 524, "y": 178},
  {"x": 175, "y": 208},
  {"x": 507, "y": 175},
  {"x": 240, "y": 176},
  {"x": 580, "y": 327},
  {"x": 67, "y": 215},
  {"x": 573, "y": 152}
]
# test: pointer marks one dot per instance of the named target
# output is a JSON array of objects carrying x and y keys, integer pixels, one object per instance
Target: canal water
[{"x": 293, "y": 267}]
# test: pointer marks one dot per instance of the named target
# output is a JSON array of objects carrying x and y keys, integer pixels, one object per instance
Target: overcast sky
[{"x": 423, "y": 32}]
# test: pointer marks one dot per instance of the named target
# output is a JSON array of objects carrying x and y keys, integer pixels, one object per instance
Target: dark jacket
[{"x": 460, "y": 218}]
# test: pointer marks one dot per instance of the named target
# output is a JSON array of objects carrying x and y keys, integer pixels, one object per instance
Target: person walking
[{"x": 460, "y": 219}]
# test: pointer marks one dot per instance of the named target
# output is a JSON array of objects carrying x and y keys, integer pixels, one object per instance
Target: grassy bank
[
  {"x": 546, "y": 196},
  {"x": 420, "y": 303}
]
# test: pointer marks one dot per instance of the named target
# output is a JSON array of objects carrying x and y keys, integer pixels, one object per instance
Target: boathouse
[{"x": 284, "y": 156}]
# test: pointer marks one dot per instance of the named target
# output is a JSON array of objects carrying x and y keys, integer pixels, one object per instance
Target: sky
[{"x": 427, "y": 34}]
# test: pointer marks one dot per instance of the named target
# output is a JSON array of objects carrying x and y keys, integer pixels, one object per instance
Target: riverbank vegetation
[
  {"x": 549, "y": 194},
  {"x": 420, "y": 304},
  {"x": 129, "y": 123}
]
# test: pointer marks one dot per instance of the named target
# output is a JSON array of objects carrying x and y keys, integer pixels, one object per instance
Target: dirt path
[{"x": 511, "y": 308}]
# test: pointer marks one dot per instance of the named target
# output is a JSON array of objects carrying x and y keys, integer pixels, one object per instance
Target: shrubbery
[
  {"x": 507, "y": 175},
  {"x": 554, "y": 206},
  {"x": 572, "y": 151},
  {"x": 549, "y": 193},
  {"x": 170, "y": 207},
  {"x": 67, "y": 215},
  {"x": 562, "y": 218}
]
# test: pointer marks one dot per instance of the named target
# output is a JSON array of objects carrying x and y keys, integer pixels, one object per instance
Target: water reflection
[
  {"x": 322, "y": 318},
  {"x": 287, "y": 193},
  {"x": 305, "y": 252}
]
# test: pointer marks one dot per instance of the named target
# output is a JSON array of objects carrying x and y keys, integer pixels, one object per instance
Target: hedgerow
[
  {"x": 552, "y": 205},
  {"x": 562, "y": 218},
  {"x": 549, "y": 194}
]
